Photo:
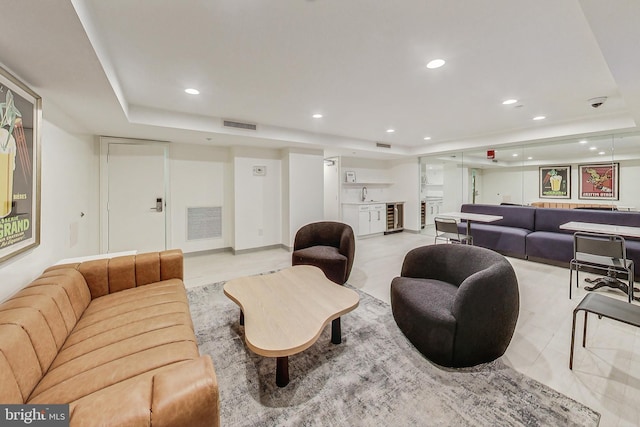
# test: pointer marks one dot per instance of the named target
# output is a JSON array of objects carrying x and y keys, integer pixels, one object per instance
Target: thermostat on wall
[{"x": 260, "y": 170}]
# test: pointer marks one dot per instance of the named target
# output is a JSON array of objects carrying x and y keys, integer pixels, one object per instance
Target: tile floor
[{"x": 605, "y": 376}]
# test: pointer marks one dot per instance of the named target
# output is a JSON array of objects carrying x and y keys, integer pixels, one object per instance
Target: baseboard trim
[
  {"x": 208, "y": 251},
  {"x": 261, "y": 248}
]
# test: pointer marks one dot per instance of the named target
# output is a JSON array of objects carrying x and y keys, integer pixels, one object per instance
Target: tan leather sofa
[{"x": 113, "y": 339}]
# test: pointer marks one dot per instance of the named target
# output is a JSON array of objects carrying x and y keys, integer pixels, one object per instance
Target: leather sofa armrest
[{"x": 186, "y": 395}]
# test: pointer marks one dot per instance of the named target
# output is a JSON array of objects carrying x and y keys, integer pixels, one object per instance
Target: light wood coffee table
[{"x": 285, "y": 312}]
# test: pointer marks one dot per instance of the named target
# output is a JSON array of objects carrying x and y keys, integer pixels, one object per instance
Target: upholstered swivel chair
[
  {"x": 457, "y": 304},
  {"x": 329, "y": 246}
]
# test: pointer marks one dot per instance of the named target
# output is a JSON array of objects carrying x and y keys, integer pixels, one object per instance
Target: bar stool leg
[
  {"x": 584, "y": 333},
  {"x": 573, "y": 337},
  {"x": 570, "y": 278}
]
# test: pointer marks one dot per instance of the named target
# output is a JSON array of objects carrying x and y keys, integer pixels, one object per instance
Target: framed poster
[
  {"x": 20, "y": 118},
  {"x": 599, "y": 181},
  {"x": 555, "y": 182}
]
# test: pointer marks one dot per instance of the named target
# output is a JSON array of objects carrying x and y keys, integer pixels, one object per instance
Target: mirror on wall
[
  {"x": 443, "y": 185},
  {"x": 587, "y": 172}
]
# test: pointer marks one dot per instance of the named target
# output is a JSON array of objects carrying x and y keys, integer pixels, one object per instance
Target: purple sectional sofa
[
  {"x": 535, "y": 234},
  {"x": 507, "y": 236}
]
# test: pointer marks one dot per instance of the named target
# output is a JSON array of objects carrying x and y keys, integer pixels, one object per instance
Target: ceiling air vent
[
  {"x": 239, "y": 125},
  {"x": 382, "y": 145}
]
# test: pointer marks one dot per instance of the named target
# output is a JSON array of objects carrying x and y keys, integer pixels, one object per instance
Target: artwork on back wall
[
  {"x": 20, "y": 114},
  {"x": 598, "y": 181},
  {"x": 555, "y": 182}
]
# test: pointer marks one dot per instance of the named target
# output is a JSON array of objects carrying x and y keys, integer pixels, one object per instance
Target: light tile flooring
[{"x": 605, "y": 376}]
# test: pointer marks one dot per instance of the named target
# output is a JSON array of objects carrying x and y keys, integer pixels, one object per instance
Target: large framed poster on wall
[
  {"x": 599, "y": 181},
  {"x": 555, "y": 182},
  {"x": 20, "y": 118}
]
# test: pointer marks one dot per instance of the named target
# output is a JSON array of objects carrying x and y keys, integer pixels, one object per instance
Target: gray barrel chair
[
  {"x": 327, "y": 245},
  {"x": 457, "y": 304}
]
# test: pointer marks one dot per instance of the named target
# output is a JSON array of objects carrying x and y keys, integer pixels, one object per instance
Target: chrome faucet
[{"x": 364, "y": 193}]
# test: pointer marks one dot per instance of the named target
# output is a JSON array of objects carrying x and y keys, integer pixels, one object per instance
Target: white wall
[
  {"x": 368, "y": 172},
  {"x": 509, "y": 185},
  {"x": 452, "y": 187},
  {"x": 257, "y": 200},
  {"x": 286, "y": 201},
  {"x": 405, "y": 175},
  {"x": 198, "y": 179},
  {"x": 69, "y": 186},
  {"x": 629, "y": 179},
  {"x": 306, "y": 191}
]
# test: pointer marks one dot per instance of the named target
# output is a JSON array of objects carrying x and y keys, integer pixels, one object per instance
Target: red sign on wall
[{"x": 491, "y": 154}]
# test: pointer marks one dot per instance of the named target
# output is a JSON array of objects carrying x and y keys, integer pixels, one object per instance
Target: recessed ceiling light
[
  {"x": 436, "y": 63},
  {"x": 509, "y": 101},
  {"x": 427, "y": 138},
  {"x": 192, "y": 91},
  {"x": 584, "y": 141},
  {"x": 593, "y": 148},
  {"x": 391, "y": 130},
  {"x": 515, "y": 154},
  {"x": 529, "y": 158},
  {"x": 539, "y": 118},
  {"x": 601, "y": 153},
  {"x": 317, "y": 116}
]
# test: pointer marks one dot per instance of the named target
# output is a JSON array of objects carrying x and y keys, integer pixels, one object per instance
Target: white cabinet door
[
  {"x": 378, "y": 219},
  {"x": 364, "y": 223},
  {"x": 372, "y": 219}
]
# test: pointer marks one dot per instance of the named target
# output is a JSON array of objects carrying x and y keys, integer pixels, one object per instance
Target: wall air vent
[
  {"x": 239, "y": 125},
  {"x": 204, "y": 222},
  {"x": 382, "y": 145}
]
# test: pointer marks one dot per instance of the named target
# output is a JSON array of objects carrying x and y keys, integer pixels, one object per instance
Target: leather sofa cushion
[
  {"x": 70, "y": 289},
  {"x": 108, "y": 275},
  {"x": 34, "y": 324},
  {"x": 121, "y": 335}
]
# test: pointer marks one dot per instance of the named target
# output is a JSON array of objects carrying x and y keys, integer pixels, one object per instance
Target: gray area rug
[{"x": 374, "y": 378}]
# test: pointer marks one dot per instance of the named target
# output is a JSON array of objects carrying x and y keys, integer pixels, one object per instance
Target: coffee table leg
[
  {"x": 241, "y": 318},
  {"x": 336, "y": 331},
  {"x": 282, "y": 371}
]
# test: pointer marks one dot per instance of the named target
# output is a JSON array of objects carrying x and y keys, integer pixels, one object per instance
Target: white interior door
[
  {"x": 136, "y": 206},
  {"x": 331, "y": 190}
]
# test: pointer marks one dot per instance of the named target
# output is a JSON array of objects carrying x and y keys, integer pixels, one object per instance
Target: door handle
[{"x": 158, "y": 207}]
